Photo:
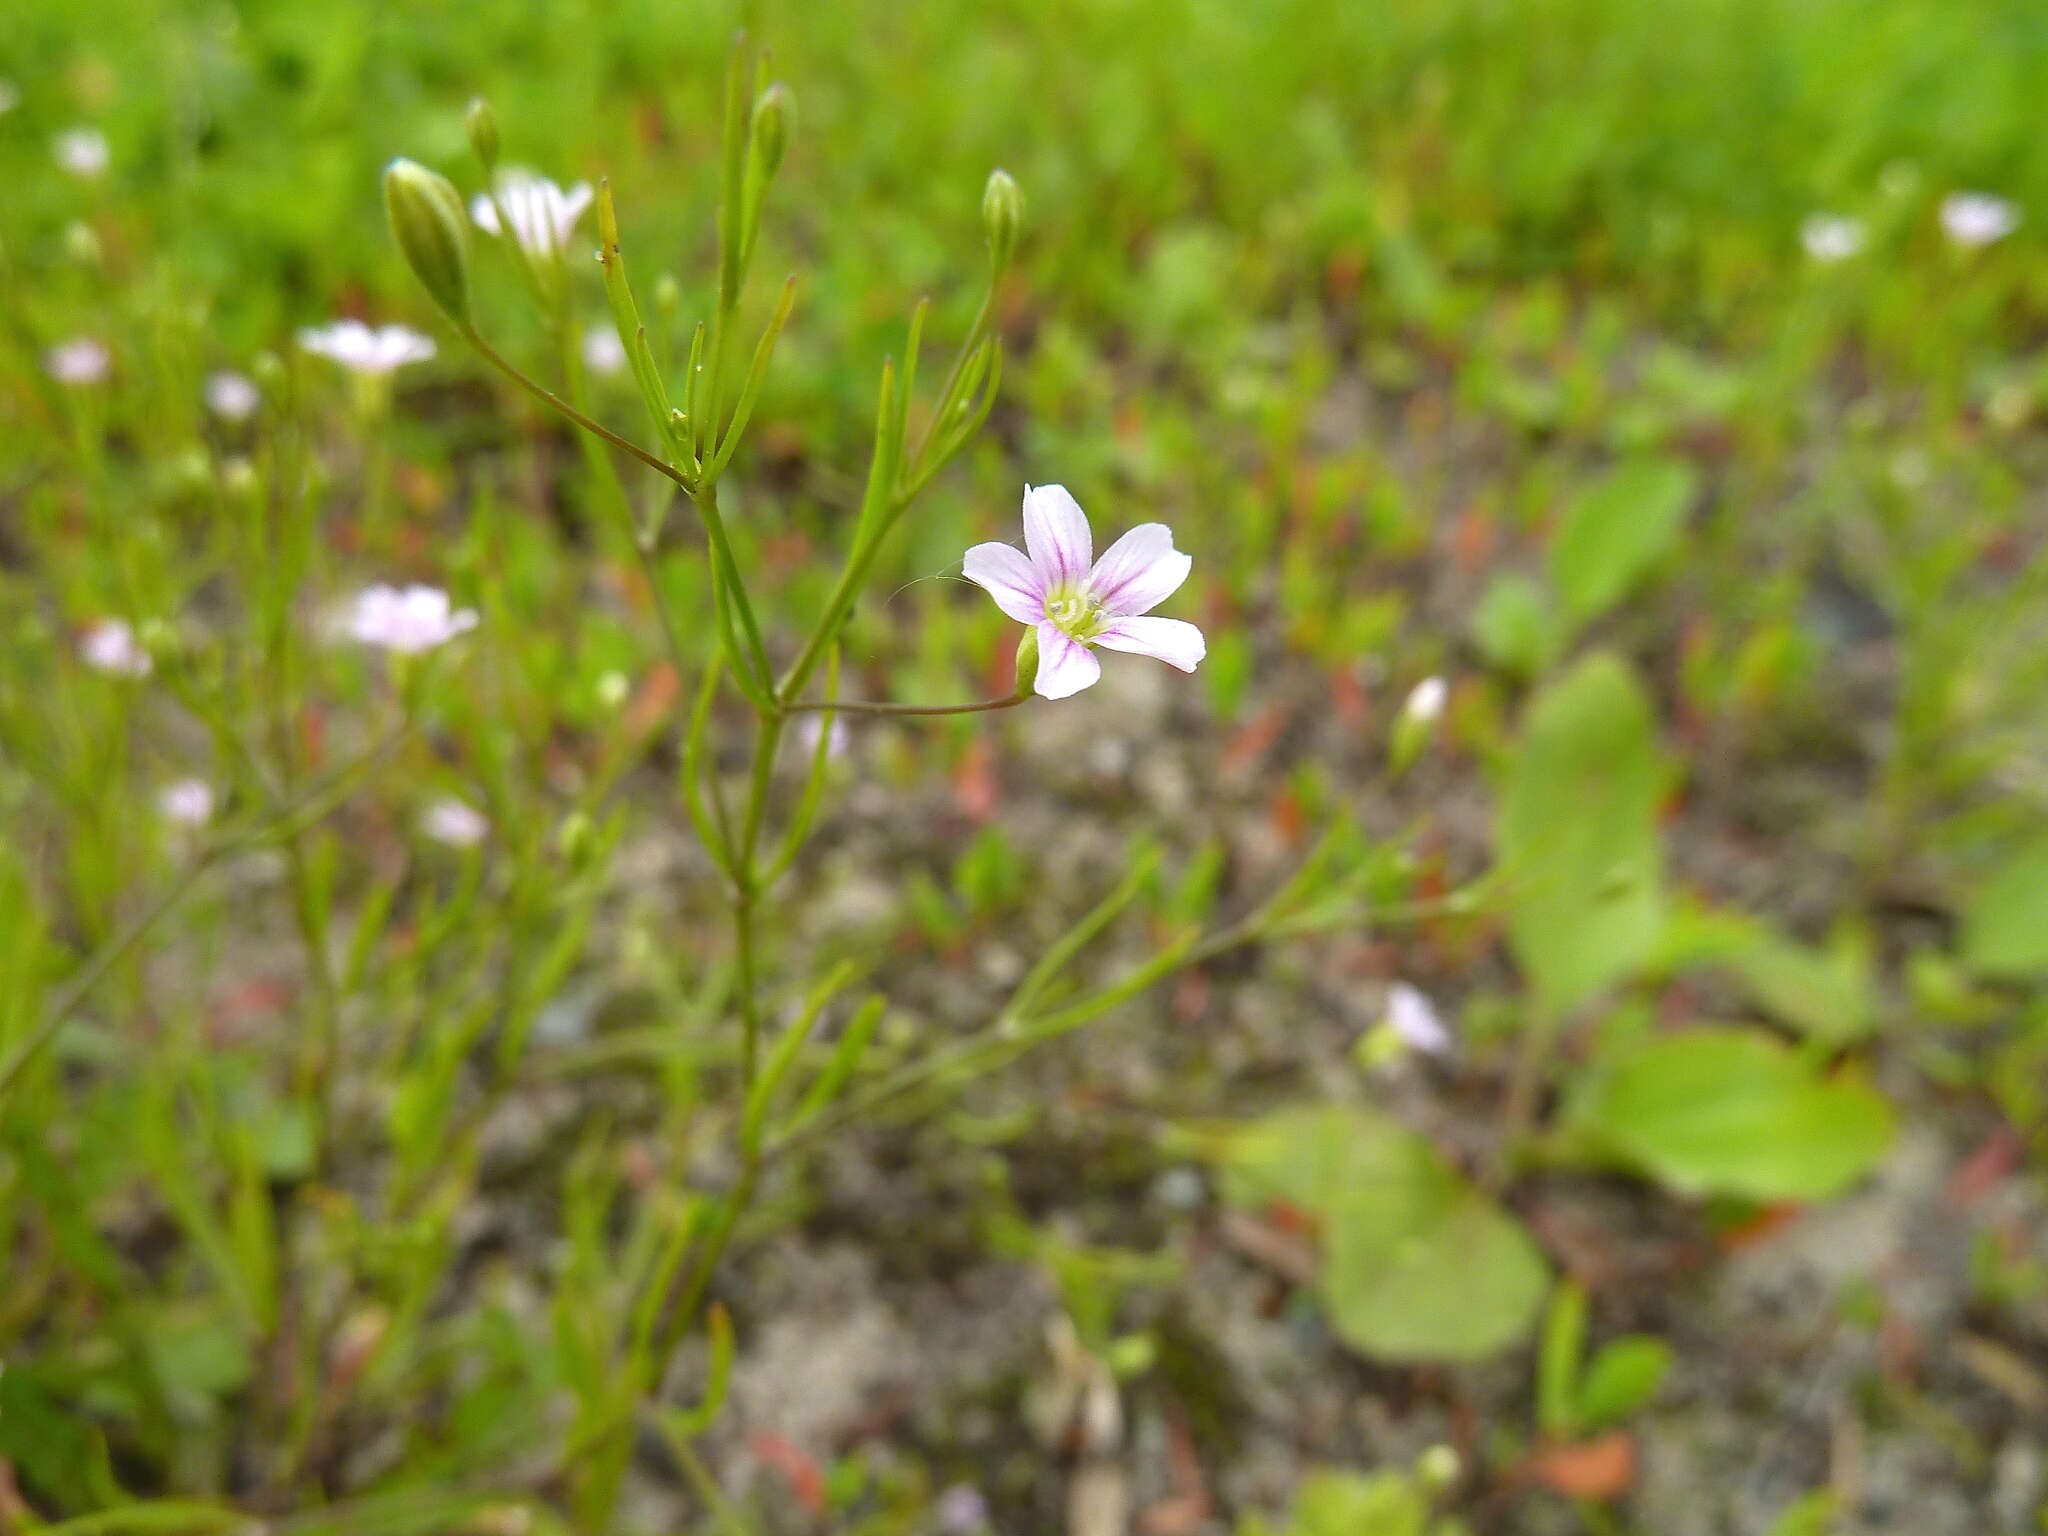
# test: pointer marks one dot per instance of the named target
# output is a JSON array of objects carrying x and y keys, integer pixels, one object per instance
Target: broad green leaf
[
  {"x": 1417, "y": 1262},
  {"x": 61, "y": 1454},
  {"x": 1826, "y": 993},
  {"x": 2005, "y": 929},
  {"x": 1578, "y": 834},
  {"x": 1811, "y": 1514},
  {"x": 1346, "y": 1504},
  {"x": 1622, "y": 1378},
  {"x": 1614, "y": 533},
  {"x": 1514, "y": 627},
  {"x": 1730, "y": 1111}
]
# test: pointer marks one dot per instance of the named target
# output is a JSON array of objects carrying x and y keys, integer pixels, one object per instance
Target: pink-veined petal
[
  {"x": 1056, "y": 533},
  {"x": 1065, "y": 666},
  {"x": 1173, "y": 641},
  {"x": 1010, "y": 579},
  {"x": 1139, "y": 571}
]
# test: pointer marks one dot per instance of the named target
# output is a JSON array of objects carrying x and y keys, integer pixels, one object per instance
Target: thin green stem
[
  {"x": 706, "y": 500},
  {"x": 767, "y": 739},
  {"x": 857, "y": 707},
  {"x": 750, "y": 1008},
  {"x": 766, "y": 742},
  {"x": 556, "y": 403},
  {"x": 975, "y": 333}
]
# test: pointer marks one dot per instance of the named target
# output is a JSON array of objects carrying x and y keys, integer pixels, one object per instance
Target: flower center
[{"x": 1074, "y": 611}]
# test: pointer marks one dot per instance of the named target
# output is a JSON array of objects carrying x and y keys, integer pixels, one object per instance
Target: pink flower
[
  {"x": 111, "y": 646},
  {"x": 455, "y": 823},
  {"x": 1074, "y": 605},
  {"x": 1831, "y": 236},
  {"x": 1415, "y": 1021},
  {"x": 188, "y": 802},
  {"x": 360, "y": 349},
  {"x": 543, "y": 216},
  {"x": 837, "y": 738},
  {"x": 409, "y": 620},
  {"x": 1978, "y": 218},
  {"x": 1425, "y": 702},
  {"x": 232, "y": 396},
  {"x": 78, "y": 362},
  {"x": 603, "y": 352}
]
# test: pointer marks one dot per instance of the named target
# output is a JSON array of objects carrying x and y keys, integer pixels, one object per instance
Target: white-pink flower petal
[
  {"x": 1414, "y": 1019},
  {"x": 543, "y": 215},
  {"x": 111, "y": 645},
  {"x": 1056, "y": 533},
  {"x": 1009, "y": 578},
  {"x": 1065, "y": 665},
  {"x": 409, "y": 620},
  {"x": 1173, "y": 641},
  {"x": 361, "y": 349},
  {"x": 1139, "y": 571}
]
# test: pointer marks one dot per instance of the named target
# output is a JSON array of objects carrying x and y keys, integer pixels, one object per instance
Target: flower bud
[
  {"x": 239, "y": 481},
  {"x": 1416, "y": 723},
  {"x": 1438, "y": 1468},
  {"x": 188, "y": 472},
  {"x": 575, "y": 838},
  {"x": 1027, "y": 661},
  {"x": 482, "y": 123},
  {"x": 81, "y": 245},
  {"x": 1002, "y": 210},
  {"x": 771, "y": 127},
  {"x": 428, "y": 220}
]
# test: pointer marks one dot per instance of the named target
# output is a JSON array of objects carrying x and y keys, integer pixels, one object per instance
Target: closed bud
[
  {"x": 190, "y": 471},
  {"x": 575, "y": 838},
  {"x": 772, "y": 114},
  {"x": 81, "y": 245},
  {"x": 427, "y": 218},
  {"x": 355, "y": 1347},
  {"x": 239, "y": 481},
  {"x": 482, "y": 123},
  {"x": 1002, "y": 210},
  {"x": 1438, "y": 1468},
  {"x": 1027, "y": 661},
  {"x": 1416, "y": 723}
]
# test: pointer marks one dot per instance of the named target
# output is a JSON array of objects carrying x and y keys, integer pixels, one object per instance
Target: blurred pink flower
[
  {"x": 360, "y": 349},
  {"x": 407, "y": 620},
  {"x": 1978, "y": 218},
  {"x": 188, "y": 802},
  {"x": 1831, "y": 236},
  {"x": 1074, "y": 605},
  {"x": 837, "y": 737},
  {"x": 543, "y": 216},
  {"x": 110, "y": 646},
  {"x": 1414, "y": 1019},
  {"x": 78, "y": 361},
  {"x": 1425, "y": 702},
  {"x": 455, "y": 822},
  {"x": 603, "y": 352},
  {"x": 232, "y": 396}
]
